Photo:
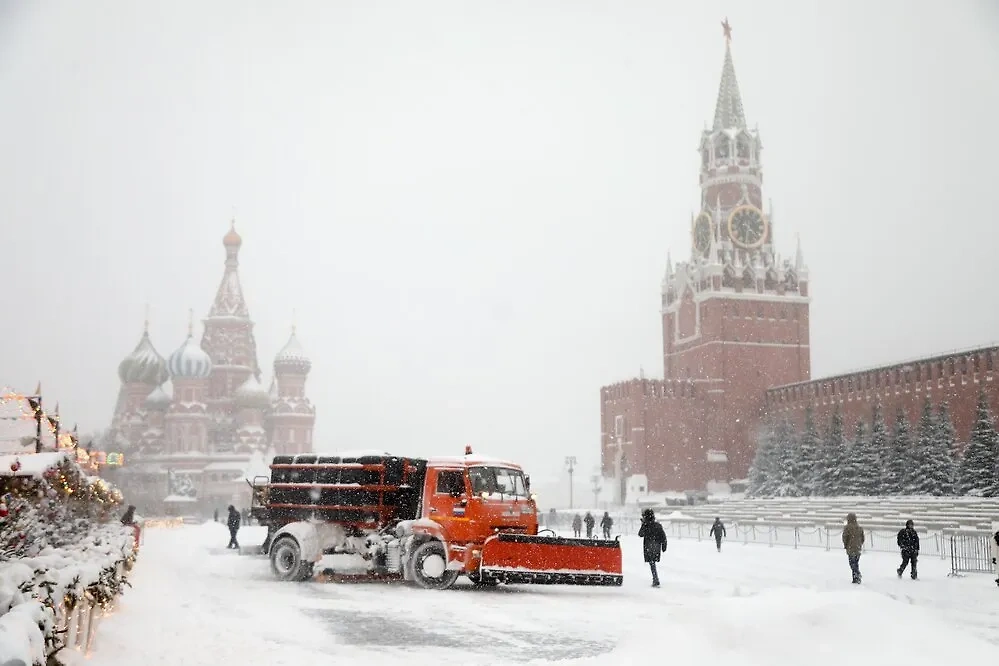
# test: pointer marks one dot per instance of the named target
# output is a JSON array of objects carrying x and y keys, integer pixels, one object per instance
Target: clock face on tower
[
  {"x": 703, "y": 233},
  {"x": 747, "y": 227}
]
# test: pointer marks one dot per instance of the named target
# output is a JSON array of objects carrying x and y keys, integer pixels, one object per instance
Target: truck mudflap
[{"x": 550, "y": 560}]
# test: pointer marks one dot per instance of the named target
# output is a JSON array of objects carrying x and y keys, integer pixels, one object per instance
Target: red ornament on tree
[
  {"x": 16, "y": 465},
  {"x": 4, "y": 512}
]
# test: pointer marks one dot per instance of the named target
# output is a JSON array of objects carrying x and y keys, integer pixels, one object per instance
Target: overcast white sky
[{"x": 470, "y": 204}]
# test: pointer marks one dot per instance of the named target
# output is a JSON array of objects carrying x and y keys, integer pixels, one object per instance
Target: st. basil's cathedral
[{"x": 200, "y": 422}]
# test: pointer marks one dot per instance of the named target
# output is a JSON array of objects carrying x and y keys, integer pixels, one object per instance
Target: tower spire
[
  {"x": 190, "y": 322},
  {"x": 729, "y": 113},
  {"x": 145, "y": 322}
]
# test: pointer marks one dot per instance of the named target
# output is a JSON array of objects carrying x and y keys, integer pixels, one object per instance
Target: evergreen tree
[
  {"x": 919, "y": 477},
  {"x": 880, "y": 451},
  {"x": 808, "y": 456},
  {"x": 853, "y": 477},
  {"x": 947, "y": 451},
  {"x": 761, "y": 471},
  {"x": 900, "y": 453},
  {"x": 834, "y": 456},
  {"x": 978, "y": 467},
  {"x": 786, "y": 461}
]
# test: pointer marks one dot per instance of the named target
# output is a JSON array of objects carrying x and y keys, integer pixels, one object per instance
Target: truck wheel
[
  {"x": 286, "y": 561},
  {"x": 428, "y": 567}
]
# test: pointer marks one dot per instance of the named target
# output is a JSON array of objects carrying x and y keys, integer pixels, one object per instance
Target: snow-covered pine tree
[
  {"x": 761, "y": 471},
  {"x": 899, "y": 457},
  {"x": 808, "y": 453},
  {"x": 919, "y": 477},
  {"x": 879, "y": 448},
  {"x": 853, "y": 476},
  {"x": 786, "y": 460},
  {"x": 978, "y": 467},
  {"x": 834, "y": 455},
  {"x": 946, "y": 451}
]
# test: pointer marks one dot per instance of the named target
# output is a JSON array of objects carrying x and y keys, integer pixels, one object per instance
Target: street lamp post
[
  {"x": 595, "y": 480},
  {"x": 570, "y": 465}
]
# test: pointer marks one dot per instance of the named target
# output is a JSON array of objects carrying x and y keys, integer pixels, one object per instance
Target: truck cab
[{"x": 471, "y": 499}]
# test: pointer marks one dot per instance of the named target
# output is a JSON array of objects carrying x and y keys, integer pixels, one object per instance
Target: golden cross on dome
[{"x": 727, "y": 29}]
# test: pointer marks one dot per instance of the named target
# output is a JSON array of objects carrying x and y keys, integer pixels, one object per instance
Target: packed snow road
[{"x": 194, "y": 602}]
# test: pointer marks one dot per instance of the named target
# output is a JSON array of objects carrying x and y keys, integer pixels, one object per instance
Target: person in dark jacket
[
  {"x": 908, "y": 543},
  {"x": 129, "y": 517},
  {"x": 717, "y": 531},
  {"x": 606, "y": 523},
  {"x": 653, "y": 542},
  {"x": 216, "y": 515},
  {"x": 577, "y": 525},
  {"x": 233, "y": 524},
  {"x": 590, "y": 521}
]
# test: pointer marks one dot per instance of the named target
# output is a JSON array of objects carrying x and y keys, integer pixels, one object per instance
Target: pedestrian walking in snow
[
  {"x": 606, "y": 523},
  {"x": 717, "y": 531},
  {"x": 552, "y": 519},
  {"x": 577, "y": 525},
  {"x": 216, "y": 515},
  {"x": 995, "y": 554},
  {"x": 590, "y": 522},
  {"x": 853, "y": 542},
  {"x": 653, "y": 542},
  {"x": 233, "y": 524},
  {"x": 908, "y": 543}
]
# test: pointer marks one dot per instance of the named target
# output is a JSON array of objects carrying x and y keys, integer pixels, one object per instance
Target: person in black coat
[
  {"x": 653, "y": 542},
  {"x": 606, "y": 523},
  {"x": 908, "y": 543},
  {"x": 717, "y": 531},
  {"x": 233, "y": 524}
]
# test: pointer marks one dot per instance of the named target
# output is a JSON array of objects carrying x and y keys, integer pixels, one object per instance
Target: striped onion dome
[
  {"x": 144, "y": 365},
  {"x": 190, "y": 361},
  {"x": 252, "y": 395}
]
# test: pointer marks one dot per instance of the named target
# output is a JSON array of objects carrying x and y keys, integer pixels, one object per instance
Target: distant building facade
[
  {"x": 736, "y": 344},
  {"x": 195, "y": 425}
]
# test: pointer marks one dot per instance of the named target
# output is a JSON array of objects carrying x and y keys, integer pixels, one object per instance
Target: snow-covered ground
[{"x": 193, "y": 603}]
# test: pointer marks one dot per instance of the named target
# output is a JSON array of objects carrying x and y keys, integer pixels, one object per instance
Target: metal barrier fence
[
  {"x": 970, "y": 551},
  {"x": 758, "y": 532}
]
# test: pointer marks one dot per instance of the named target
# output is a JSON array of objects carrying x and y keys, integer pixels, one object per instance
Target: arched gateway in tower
[
  {"x": 194, "y": 426},
  {"x": 735, "y": 322}
]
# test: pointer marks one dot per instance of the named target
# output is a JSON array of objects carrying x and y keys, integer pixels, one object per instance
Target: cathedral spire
[
  {"x": 229, "y": 301},
  {"x": 729, "y": 113}
]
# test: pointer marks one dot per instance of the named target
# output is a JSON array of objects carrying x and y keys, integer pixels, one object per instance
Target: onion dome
[
  {"x": 190, "y": 361},
  {"x": 232, "y": 239},
  {"x": 144, "y": 365},
  {"x": 252, "y": 395},
  {"x": 292, "y": 358},
  {"x": 158, "y": 400}
]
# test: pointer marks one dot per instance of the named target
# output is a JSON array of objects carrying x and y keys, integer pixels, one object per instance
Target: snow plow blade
[{"x": 544, "y": 560}]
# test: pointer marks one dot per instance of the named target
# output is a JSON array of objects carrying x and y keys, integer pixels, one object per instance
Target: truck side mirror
[{"x": 527, "y": 482}]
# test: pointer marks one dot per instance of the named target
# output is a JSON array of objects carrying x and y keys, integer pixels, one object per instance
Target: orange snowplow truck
[{"x": 424, "y": 520}]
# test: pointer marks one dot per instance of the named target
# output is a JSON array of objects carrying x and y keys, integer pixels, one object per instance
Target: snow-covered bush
[{"x": 61, "y": 545}]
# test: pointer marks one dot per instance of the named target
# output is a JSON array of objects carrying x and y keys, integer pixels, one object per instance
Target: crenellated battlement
[
  {"x": 651, "y": 388},
  {"x": 937, "y": 372}
]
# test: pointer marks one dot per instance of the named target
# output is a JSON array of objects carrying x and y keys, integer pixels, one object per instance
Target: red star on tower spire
[{"x": 727, "y": 29}]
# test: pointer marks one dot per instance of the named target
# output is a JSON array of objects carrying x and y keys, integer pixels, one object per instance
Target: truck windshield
[{"x": 497, "y": 481}]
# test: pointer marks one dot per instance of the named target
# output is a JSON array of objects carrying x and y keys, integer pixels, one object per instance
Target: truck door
[{"x": 448, "y": 501}]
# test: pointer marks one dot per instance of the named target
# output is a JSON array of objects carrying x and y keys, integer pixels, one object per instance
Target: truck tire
[
  {"x": 428, "y": 567},
  {"x": 286, "y": 561}
]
